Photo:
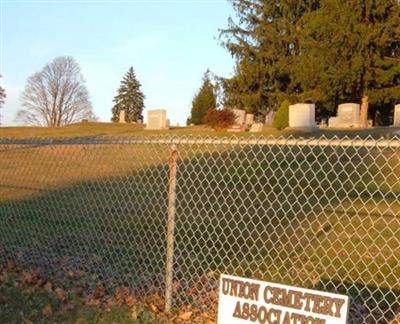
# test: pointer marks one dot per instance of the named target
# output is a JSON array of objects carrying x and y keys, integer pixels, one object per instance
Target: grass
[
  {"x": 324, "y": 218},
  {"x": 112, "y": 129}
]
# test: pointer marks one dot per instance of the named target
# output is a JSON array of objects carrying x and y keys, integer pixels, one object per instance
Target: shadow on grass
[
  {"x": 111, "y": 228},
  {"x": 283, "y": 214}
]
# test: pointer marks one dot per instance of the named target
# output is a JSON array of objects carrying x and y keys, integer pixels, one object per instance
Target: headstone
[
  {"x": 348, "y": 115},
  {"x": 157, "y": 119},
  {"x": 122, "y": 116},
  {"x": 256, "y": 128},
  {"x": 269, "y": 117},
  {"x": 249, "y": 119},
  {"x": 240, "y": 119},
  {"x": 302, "y": 116},
  {"x": 396, "y": 120},
  {"x": 240, "y": 116}
]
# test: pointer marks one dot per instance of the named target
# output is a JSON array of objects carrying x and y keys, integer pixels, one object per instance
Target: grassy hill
[
  {"x": 113, "y": 129},
  {"x": 317, "y": 217}
]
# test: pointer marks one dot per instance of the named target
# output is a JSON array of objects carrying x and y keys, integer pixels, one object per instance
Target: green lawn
[
  {"x": 318, "y": 217},
  {"x": 112, "y": 129}
]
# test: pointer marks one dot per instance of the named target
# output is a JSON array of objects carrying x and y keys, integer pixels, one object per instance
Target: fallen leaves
[
  {"x": 185, "y": 316},
  {"x": 70, "y": 274},
  {"x": 30, "y": 278},
  {"x": 61, "y": 294},
  {"x": 123, "y": 296},
  {"x": 64, "y": 293},
  {"x": 47, "y": 310}
]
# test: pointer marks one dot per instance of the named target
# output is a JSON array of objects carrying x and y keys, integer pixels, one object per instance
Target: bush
[
  {"x": 281, "y": 119},
  {"x": 219, "y": 118}
]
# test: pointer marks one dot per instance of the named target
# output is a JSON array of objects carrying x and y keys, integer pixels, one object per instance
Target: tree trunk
[{"x": 364, "y": 111}]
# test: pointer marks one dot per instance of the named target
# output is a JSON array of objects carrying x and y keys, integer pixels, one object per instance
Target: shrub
[
  {"x": 281, "y": 119},
  {"x": 219, "y": 118}
]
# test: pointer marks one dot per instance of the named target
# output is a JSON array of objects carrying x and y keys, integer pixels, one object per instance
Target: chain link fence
[{"x": 169, "y": 215}]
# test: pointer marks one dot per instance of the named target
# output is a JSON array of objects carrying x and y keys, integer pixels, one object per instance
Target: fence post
[{"x": 169, "y": 263}]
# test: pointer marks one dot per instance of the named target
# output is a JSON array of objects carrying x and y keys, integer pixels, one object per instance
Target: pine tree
[
  {"x": 350, "y": 51},
  {"x": 2, "y": 97},
  {"x": 129, "y": 98},
  {"x": 264, "y": 43},
  {"x": 204, "y": 100}
]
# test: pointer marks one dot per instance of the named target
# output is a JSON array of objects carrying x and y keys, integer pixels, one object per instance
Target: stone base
[
  {"x": 335, "y": 122},
  {"x": 236, "y": 129},
  {"x": 257, "y": 128}
]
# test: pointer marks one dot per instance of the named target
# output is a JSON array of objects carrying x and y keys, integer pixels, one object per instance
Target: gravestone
[
  {"x": 122, "y": 117},
  {"x": 249, "y": 119},
  {"x": 396, "y": 120},
  {"x": 240, "y": 116},
  {"x": 302, "y": 116},
  {"x": 256, "y": 128},
  {"x": 348, "y": 115},
  {"x": 240, "y": 120},
  {"x": 157, "y": 119}
]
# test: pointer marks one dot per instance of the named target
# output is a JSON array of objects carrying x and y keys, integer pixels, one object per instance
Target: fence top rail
[{"x": 393, "y": 142}]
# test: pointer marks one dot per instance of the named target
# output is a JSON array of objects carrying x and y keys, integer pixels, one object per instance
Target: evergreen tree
[
  {"x": 204, "y": 100},
  {"x": 264, "y": 43},
  {"x": 350, "y": 51},
  {"x": 129, "y": 98},
  {"x": 2, "y": 97}
]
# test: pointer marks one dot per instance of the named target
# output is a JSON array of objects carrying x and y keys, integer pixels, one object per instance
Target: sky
[{"x": 170, "y": 44}]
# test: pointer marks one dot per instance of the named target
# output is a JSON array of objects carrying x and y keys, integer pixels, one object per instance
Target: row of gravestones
[
  {"x": 348, "y": 116},
  {"x": 156, "y": 119},
  {"x": 300, "y": 116}
]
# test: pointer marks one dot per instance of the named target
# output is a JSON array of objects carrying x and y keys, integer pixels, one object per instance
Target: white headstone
[
  {"x": 302, "y": 116},
  {"x": 396, "y": 120},
  {"x": 240, "y": 116},
  {"x": 240, "y": 119},
  {"x": 249, "y": 119},
  {"x": 348, "y": 115},
  {"x": 122, "y": 116},
  {"x": 157, "y": 119}
]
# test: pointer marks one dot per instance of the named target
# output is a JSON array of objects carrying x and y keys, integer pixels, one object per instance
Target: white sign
[{"x": 244, "y": 300}]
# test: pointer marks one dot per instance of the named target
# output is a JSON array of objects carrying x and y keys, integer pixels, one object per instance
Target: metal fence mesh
[{"x": 316, "y": 213}]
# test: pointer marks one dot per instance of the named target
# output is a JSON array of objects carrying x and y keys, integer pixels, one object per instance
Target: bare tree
[{"x": 56, "y": 96}]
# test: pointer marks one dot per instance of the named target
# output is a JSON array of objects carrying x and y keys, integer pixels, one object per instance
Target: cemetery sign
[{"x": 244, "y": 300}]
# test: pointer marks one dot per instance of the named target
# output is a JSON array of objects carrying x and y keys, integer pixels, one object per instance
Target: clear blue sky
[{"x": 170, "y": 44}]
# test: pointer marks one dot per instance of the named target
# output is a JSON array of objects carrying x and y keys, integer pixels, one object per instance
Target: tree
[
  {"x": 324, "y": 51},
  {"x": 281, "y": 118},
  {"x": 219, "y": 118},
  {"x": 129, "y": 98},
  {"x": 264, "y": 43},
  {"x": 56, "y": 95},
  {"x": 350, "y": 51},
  {"x": 2, "y": 97},
  {"x": 204, "y": 100}
]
